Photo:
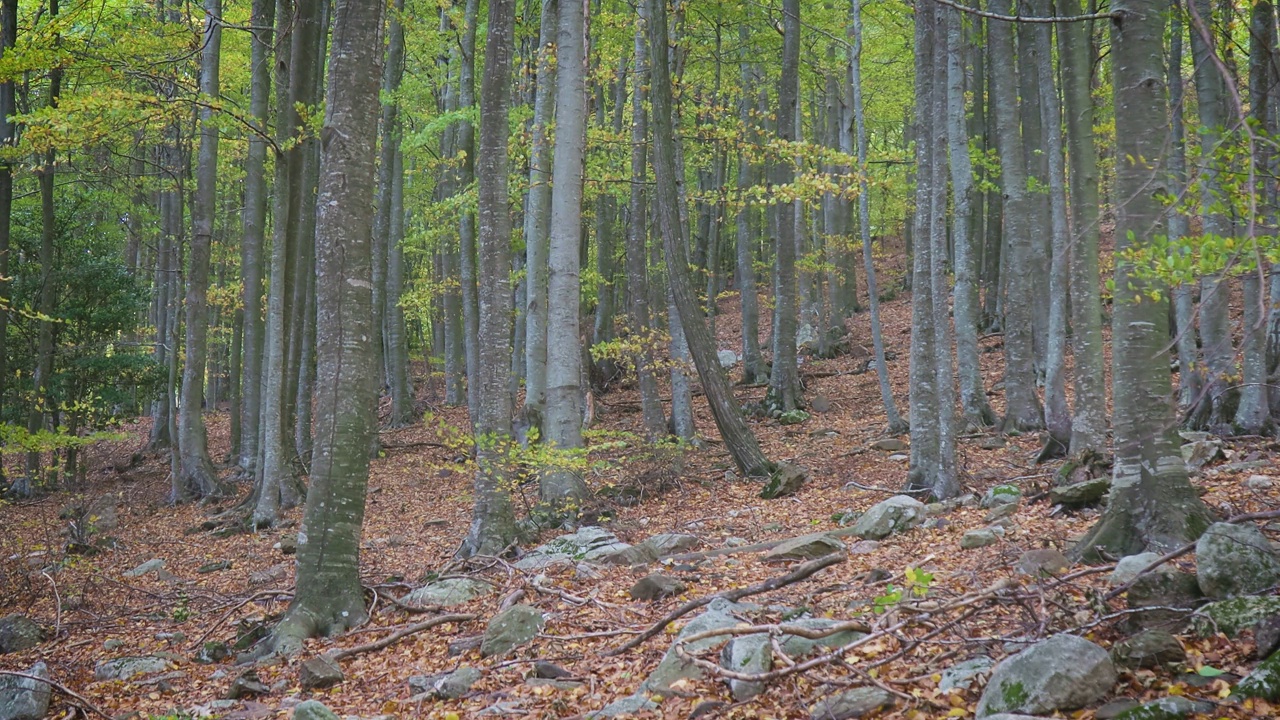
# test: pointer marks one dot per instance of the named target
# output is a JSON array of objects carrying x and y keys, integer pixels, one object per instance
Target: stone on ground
[
  {"x": 446, "y": 686},
  {"x": 1064, "y": 672},
  {"x": 1235, "y": 559},
  {"x": 1001, "y": 495},
  {"x": 448, "y": 592},
  {"x": 718, "y": 615},
  {"x": 1263, "y": 682},
  {"x": 889, "y": 445},
  {"x": 152, "y": 565},
  {"x": 18, "y": 633},
  {"x": 1041, "y": 562},
  {"x": 1163, "y": 587},
  {"x": 851, "y": 704},
  {"x": 25, "y": 698},
  {"x": 1266, "y": 636},
  {"x": 747, "y": 654},
  {"x": 785, "y": 481},
  {"x": 806, "y": 547},
  {"x": 961, "y": 675},
  {"x": 1147, "y": 649},
  {"x": 1081, "y": 493},
  {"x": 664, "y": 544},
  {"x": 798, "y": 646},
  {"x": 320, "y": 672},
  {"x": 625, "y": 707},
  {"x": 509, "y": 629},
  {"x": 590, "y": 543},
  {"x": 656, "y": 586},
  {"x": 1129, "y": 566},
  {"x": 979, "y": 538},
  {"x": 313, "y": 710},
  {"x": 1167, "y": 708},
  {"x": 129, "y": 667},
  {"x": 727, "y": 358},
  {"x": 1234, "y": 616},
  {"x": 895, "y": 515}
]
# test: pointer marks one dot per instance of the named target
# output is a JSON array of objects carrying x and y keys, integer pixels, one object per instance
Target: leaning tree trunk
[
  {"x": 784, "y": 378},
  {"x": 1089, "y": 422},
  {"x": 738, "y": 438},
  {"x": 1022, "y": 406},
  {"x": 329, "y": 597},
  {"x": 564, "y": 412},
  {"x": 493, "y": 522},
  {"x": 1153, "y": 505},
  {"x": 199, "y": 478}
]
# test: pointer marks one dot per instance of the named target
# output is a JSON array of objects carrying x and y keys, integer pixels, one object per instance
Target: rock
[
  {"x": 446, "y": 686},
  {"x": 806, "y": 547},
  {"x": 1000, "y": 512},
  {"x": 1200, "y": 452},
  {"x": 320, "y": 671},
  {"x": 656, "y": 586},
  {"x": 509, "y": 629},
  {"x": 706, "y": 707},
  {"x": 590, "y": 543},
  {"x": 246, "y": 686},
  {"x": 1064, "y": 672},
  {"x": 992, "y": 442},
  {"x": 889, "y": 445},
  {"x": 1169, "y": 708},
  {"x": 129, "y": 667},
  {"x": 464, "y": 645},
  {"x": 979, "y": 538},
  {"x": 212, "y": 652},
  {"x": 1259, "y": 482},
  {"x": 1234, "y": 560},
  {"x": 897, "y": 514},
  {"x": 18, "y": 633},
  {"x": 851, "y": 704},
  {"x": 1081, "y": 493},
  {"x": 214, "y": 567},
  {"x": 899, "y": 457},
  {"x": 671, "y": 543},
  {"x": 1041, "y": 562},
  {"x": 448, "y": 592},
  {"x": 213, "y": 709},
  {"x": 820, "y": 404},
  {"x": 313, "y": 710},
  {"x": 785, "y": 481},
  {"x": 1263, "y": 682},
  {"x": 798, "y": 646},
  {"x": 625, "y": 707},
  {"x": 1266, "y": 636},
  {"x": 112, "y": 644},
  {"x": 1148, "y": 649},
  {"x": 552, "y": 683},
  {"x": 961, "y": 675},
  {"x": 806, "y": 338},
  {"x": 152, "y": 565},
  {"x": 1001, "y": 495},
  {"x": 1114, "y": 708},
  {"x": 747, "y": 654},
  {"x": 275, "y": 573},
  {"x": 727, "y": 358},
  {"x": 793, "y": 417},
  {"x": 1234, "y": 616},
  {"x": 1129, "y": 567},
  {"x": 864, "y": 547},
  {"x": 25, "y": 698},
  {"x": 550, "y": 671},
  {"x": 288, "y": 544},
  {"x": 1163, "y": 587},
  {"x": 718, "y": 615}
]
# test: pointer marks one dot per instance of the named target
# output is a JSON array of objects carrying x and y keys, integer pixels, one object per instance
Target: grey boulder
[
  {"x": 1129, "y": 566},
  {"x": 897, "y": 514},
  {"x": 447, "y": 686},
  {"x": 752, "y": 654},
  {"x": 961, "y": 675},
  {"x": 1064, "y": 672},
  {"x": 806, "y": 547},
  {"x": 448, "y": 592},
  {"x": 1234, "y": 560},
  {"x": 509, "y": 629},
  {"x": 851, "y": 704},
  {"x": 313, "y": 710},
  {"x": 25, "y": 698},
  {"x": 18, "y": 633},
  {"x": 1150, "y": 648},
  {"x": 129, "y": 667}
]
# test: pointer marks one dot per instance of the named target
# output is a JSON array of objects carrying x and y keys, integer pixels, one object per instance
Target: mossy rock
[
  {"x": 1231, "y": 617},
  {"x": 793, "y": 417},
  {"x": 1263, "y": 682}
]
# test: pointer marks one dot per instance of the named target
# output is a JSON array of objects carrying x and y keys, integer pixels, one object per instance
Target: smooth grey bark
[
  {"x": 1216, "y": 404},
  {"x": 1253, "y": 415},
  {"x": 738, "y": 438},
  {"x": 744, "y": 256},
  {"x": 1152, "y": 504},
  {"x": 199, "y": 478},
  {"x": 8, "y": 38},
  {"x": 537, "y": 220},
  {"x": 637, "y": 259},
  {"x": 563, "y": 415},
  {"x": 1089, "y": 420},
  {"x": 455, "y": 368},
  {"x": 1057, "y": 414},
  {"x": 973, "y": 398},
  {"x": 606, "y": 369},
  {"x": 388, "y": 125},
  {"x": 467, "y": 224},
  {"x": 1022, "y": 405},
  {"x": 784, "y": 378},
  {"x": 895, "y": 421},
  {"x": 493, "y": 522},
  {"x": 1038, "y": 220},
  {"x": 255, "y": 222},
  {"x": 1190, "y": 377},
  {"x": 397, "y": 341},
  {"x": 329, "y": 598}
]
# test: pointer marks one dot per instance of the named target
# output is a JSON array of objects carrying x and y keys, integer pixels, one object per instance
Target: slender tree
[{"x": 537, "y": 220}]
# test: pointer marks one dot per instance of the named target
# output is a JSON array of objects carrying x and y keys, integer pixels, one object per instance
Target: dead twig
[
  {"x": 802, "y": 572},
  {"x": 401, "y": 634}
]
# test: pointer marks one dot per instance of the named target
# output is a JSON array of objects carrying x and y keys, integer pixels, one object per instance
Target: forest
[{"x": 639, "y": 358}]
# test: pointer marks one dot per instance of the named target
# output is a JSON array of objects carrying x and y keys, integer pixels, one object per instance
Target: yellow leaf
[
  {"x": 956, "y": 712},
  {"x": 1177, "y": 690}
]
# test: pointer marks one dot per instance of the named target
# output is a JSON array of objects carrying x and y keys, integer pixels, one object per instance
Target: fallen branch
[
  {"x": 1175, "y": 554},
  {"x": 84, "y": 703},
  {"x": 801, "y": 572},
  {"x": 401, "y": 634}
]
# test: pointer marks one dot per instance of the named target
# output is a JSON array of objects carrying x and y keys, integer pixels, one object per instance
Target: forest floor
[{"x": 419, "y": 502}]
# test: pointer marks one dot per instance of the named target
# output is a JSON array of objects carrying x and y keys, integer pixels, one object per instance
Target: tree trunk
[
  {"x": 537, "y": 220},
  {"x": 8, "y": 38},
  {"x": 733, "y": 428},
  {"x": 1022, "y": 406},
  {"x": 397, "y": 341},
  {"x": 1038, "y": 219},
  {"x": 1152, "y": 505},
  {"x": 329, "y": 598},
  {"x": 199, "y": 478},
  {"x": 563, "y": 414},
  {"x": 784, "y": 378},
  {"x": 467, "y": 224}
]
